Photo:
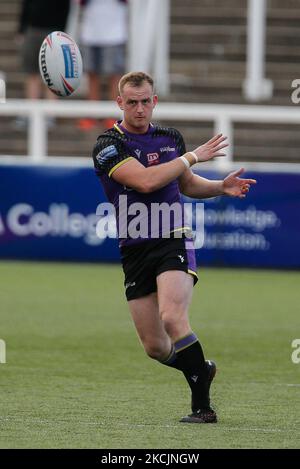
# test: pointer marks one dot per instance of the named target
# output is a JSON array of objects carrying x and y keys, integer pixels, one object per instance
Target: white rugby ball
[{"x": 60, "y": 63}]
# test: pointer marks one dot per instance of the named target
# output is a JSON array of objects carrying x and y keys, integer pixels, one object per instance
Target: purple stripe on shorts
[
  {"x": 190, "y": 251},
  {"x": 185, "y": 342}
]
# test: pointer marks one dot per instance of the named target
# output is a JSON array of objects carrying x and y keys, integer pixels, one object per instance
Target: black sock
[{"x": 190, "y": 360}]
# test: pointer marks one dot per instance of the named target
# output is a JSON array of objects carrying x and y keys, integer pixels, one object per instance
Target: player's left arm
[{"x": 198, "y": 187}]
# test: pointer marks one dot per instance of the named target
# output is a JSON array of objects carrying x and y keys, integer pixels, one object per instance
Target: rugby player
[{"x": 149, "y": 165}]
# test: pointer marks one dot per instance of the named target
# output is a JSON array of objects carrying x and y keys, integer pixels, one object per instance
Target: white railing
[{"x": 223, "y": 116}]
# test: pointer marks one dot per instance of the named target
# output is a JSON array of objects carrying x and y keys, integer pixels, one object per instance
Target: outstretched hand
[
  {"x": 235, "y": 186},
  {"x": 211, "y": 149}
]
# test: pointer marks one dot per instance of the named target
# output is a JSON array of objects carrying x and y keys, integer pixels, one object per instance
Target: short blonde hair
[{"x": 135, "y": 79}]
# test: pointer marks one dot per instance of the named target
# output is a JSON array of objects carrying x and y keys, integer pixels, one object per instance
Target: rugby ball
[{"x": 60, "y": 63}]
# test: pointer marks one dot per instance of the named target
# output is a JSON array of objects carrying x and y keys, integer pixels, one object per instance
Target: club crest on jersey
[
  {"x": 106, "y": 153},
  {"x": 153, "y": 158}
]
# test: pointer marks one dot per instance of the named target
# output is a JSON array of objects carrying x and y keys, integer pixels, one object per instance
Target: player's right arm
[{"x": 129, "y": 172}]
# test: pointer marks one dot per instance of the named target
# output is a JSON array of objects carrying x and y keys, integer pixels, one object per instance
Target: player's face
[{"x": 138, "y": 104}]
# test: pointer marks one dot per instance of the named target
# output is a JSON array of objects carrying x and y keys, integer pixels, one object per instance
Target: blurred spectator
[
  {"x": 38, "y": 18},
  {"x": 104, "y": 33}
]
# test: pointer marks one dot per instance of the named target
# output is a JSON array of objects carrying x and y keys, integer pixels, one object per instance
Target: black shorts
[{"x": 142, "y": 263}]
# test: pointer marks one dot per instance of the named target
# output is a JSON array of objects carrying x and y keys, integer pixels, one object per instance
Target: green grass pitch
[{"x": 76, "y": 375}]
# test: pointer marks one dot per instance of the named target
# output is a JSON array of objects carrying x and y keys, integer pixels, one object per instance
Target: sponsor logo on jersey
[
  {"x": 153, "y": 158},
  {"x": 107, "y": 152},
  {"x": 167, "y": 149},
  {"x": 138, "y": 153}
]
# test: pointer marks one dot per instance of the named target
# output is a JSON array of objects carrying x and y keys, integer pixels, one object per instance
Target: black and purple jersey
[{"x": 133, "y": 209}]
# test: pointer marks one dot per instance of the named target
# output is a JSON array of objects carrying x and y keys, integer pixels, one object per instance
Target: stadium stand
[{"x": 208, "y": 53}]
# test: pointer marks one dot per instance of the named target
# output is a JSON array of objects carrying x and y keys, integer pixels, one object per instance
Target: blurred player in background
[
  {"x": 149, "y": 164},
  {"x": 38, "y": 19},
  {"x": 104, "y": 33}
]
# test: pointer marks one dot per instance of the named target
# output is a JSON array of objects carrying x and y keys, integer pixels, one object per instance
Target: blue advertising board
[
  {"x": 260, "y": 230},
  {"x": 49, "y": 213}
]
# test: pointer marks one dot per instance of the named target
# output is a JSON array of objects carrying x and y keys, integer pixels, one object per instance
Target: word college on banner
[{"x": 49, "y": 213}]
